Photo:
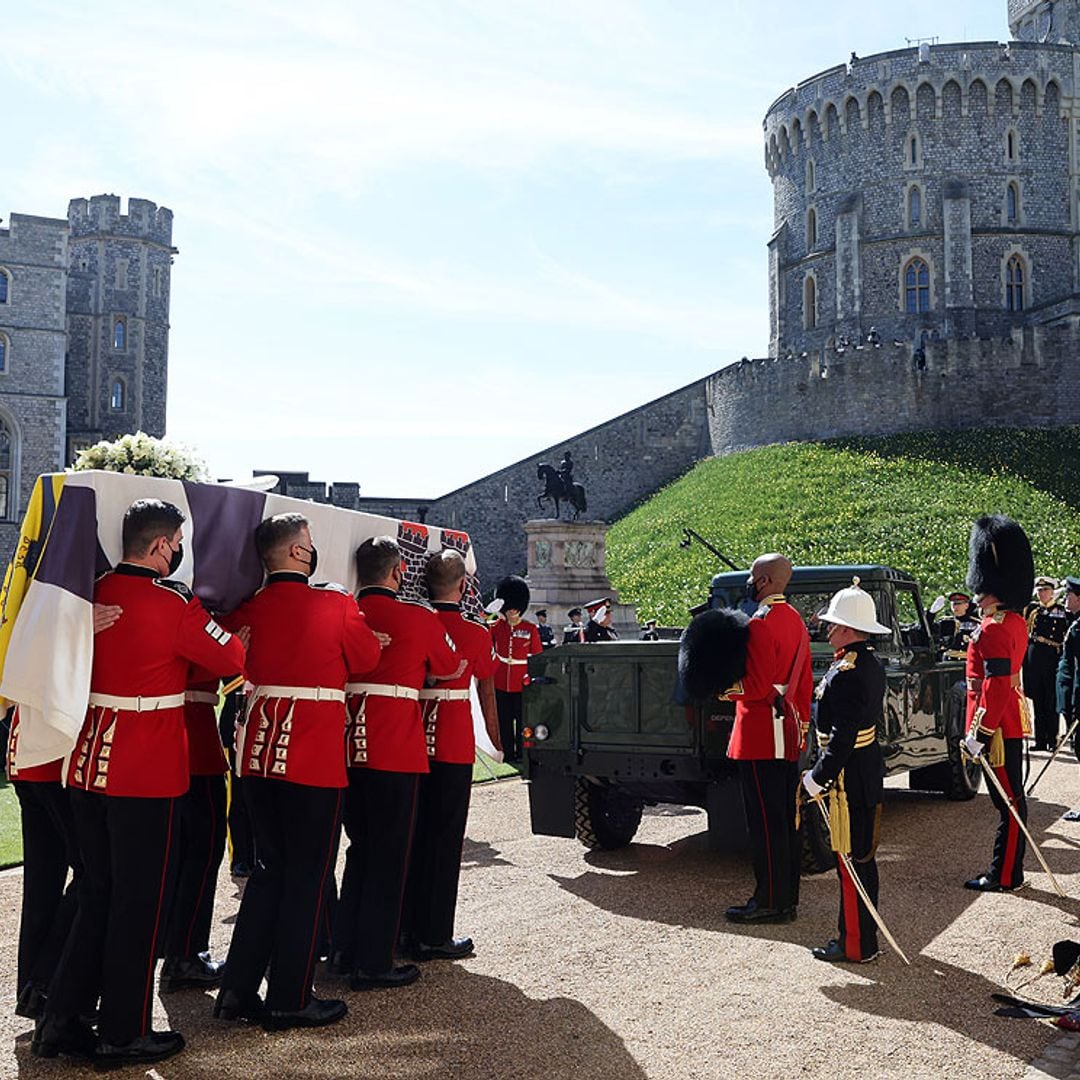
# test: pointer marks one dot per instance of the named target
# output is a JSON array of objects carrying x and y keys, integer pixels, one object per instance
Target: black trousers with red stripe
[
  {"x": 126, "y": 845},
  {"x": 380, "y": 814},
  {"x": 769, "y": 789},
  {"x": 1007, "y": 866},
  {"x": 858, "y": 931},
  {"x": 278, "y": 924},
  {"x": 435, "y": 864},
  {"x": 48, "y": 908},
  {"x": 201, "y": 814}
]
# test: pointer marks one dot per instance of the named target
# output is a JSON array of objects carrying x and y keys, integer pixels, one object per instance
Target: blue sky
[{"x": 422, "y": 238}]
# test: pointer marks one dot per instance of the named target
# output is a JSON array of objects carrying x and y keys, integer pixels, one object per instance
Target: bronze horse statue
[{"x": 555, "y": 490}]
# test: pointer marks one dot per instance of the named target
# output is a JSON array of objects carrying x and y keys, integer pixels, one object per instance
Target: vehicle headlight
[{"x": 540, "y": 732}]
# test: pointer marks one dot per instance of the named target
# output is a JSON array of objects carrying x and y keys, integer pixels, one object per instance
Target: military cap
[
  {"x": 1044, "y": 582},
  {"x": 542, "y": 611},
  {"x": 1072, "y": 584},
  {"x": 593, "y": 606},
  {"x": 572, "y": 612},
  {"x": 959, "y": 596}
]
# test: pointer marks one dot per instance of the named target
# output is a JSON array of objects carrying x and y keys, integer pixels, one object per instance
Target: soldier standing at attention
[
  {"x": 1068, "y": 672},
  {"x": 850, "y": 767},
  {"x": 444, "y": 793},
  {"x": 1000, "y": 573},
  {"x": 387, "y": 754},
  {"x": 126, "y": 772},
  {"x": 515, "y": 640},
  {"x": 305, "y": 639},
  {"x": 547, "y": 635},
  {"x": 772, "y": 710},
  {"x": 573, "y": 631},
  {"x": 953, "y": 633},
  {"x": 599, "y": 627},
  {"x": 1047, "y": 622}
]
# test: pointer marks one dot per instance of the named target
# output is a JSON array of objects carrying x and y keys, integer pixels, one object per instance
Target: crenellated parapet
[{"x": 101, "y": 215}]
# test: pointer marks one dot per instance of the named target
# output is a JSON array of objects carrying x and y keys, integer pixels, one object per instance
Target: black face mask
[
  {"x": 175, "y": 559},
  {"x": 313, "y": 562}
]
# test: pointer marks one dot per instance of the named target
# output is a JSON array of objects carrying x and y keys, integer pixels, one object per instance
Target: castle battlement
[{"x": 101, "y": 214}]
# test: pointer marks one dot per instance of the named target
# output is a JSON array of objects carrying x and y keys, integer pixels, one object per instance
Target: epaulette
[
  {"x": 761, "y": 612},
  {"x": 331, "y": 586},
  {"x": 177, "y": 587},
  {"x": 847, "y": 662}
]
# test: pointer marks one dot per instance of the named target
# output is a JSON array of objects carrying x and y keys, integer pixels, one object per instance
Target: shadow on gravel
[
  {"x": 449, "y": 1024},
  {"x": 476, "y": 853}
]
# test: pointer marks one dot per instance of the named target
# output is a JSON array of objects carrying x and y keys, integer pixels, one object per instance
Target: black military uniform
[
  {"x": 1047, "y": 624},
  {"x": 573, "y": 632},
  {"x": 1068, "y": 673},
  {"x": 953, "y": 633},
  {"x": 850, "y": 697},
  {"x": 596, "y": 629},
  {"x": 547, "y": 633}
]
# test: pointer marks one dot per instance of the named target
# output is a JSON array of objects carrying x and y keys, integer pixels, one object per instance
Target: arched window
[
  {"x": 1014, "y": 284},
  {"x": 1012, "y": 203},
  {"x": 914, "y": 208},
  {"x": 811, "y": 178},
  {"x": 7, "y": 453},
  {"x": 119, "y": 334},
  {"x": 117, "y": 396},
  {"x": 5, "y": 286},
  {"x": 916, "y": 287},
  {"x": 1010, "y": 145},
  {"x": 811, "y": 228},
  {"x": 810, "y": 303},
  {"x": 913, "y": 150},
  {"x": 5, "y": 353}
]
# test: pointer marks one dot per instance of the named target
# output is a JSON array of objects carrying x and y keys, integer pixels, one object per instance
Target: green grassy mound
[{"x": 907, "y": 501}]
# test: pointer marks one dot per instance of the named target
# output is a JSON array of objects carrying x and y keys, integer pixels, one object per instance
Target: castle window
[
  {"x": 117, "y": 396},
  {"x": 810, "y": 303},
  {"x": 157, "y": 280},
  {"x": 5, "y": 353},
  {"x": 7, "y": 453},
  {"x": 5, "y": 286},
  {"x": 811, "y": 228},
  {"x": 119, "y": 334},
  {"x": 912, "y": 158},
  {"x": 914, "y": 207},
  {"x": 121, "y": 273},
  {"x": 811, "y": 178},
  {"x": 1010, "y": 145},
  {"x": 1012, "y": 203},
  {"x": 1014, "y": 284},
  {"x": 916, "y": 287}
]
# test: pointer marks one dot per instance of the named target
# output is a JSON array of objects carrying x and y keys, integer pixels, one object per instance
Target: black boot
[{"x": 68, "y": 1035}]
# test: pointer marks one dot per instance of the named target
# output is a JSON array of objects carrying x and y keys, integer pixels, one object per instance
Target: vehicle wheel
[
  {"x": 965, "y": 775},
  {"x": 817, "y": 853},
  {"x": 604, "y": 816}
]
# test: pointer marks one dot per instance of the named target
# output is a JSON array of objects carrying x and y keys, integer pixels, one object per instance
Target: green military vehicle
[{"x": 606, "y": 734}]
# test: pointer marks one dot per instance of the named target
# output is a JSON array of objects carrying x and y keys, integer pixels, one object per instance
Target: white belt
[
  {"x": 136, "y": 704},
  {"x": 509, "y": 660},
  {"x": 444, "y": 695},
  {"x": 372, "y": 689},
  {"x": 201, "y": 697},
  {"x": 299, "y": 693}
]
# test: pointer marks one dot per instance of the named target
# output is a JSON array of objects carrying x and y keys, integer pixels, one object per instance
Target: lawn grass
[
  {"x": 906, "y": 501},
  {"x": 10, "y": 831},
  {"x": 483, "y": 768}
]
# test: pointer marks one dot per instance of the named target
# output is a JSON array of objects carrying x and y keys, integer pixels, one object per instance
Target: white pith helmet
[{"x": 854, "y": 607}]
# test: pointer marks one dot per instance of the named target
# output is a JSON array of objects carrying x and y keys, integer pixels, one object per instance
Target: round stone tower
[{"x": 928, "y": 193}]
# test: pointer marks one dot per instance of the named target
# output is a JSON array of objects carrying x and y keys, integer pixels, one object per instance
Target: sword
[
  {"x": 845, "y": 858},
  {"x": 1061, "y": 742},
  {"x": 992, "y": 777}
]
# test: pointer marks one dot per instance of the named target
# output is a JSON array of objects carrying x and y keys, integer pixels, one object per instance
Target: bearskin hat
[
  {"x": 513, "y": 591},
  {"x": 1000, "y": 562},
  {"x": 712, "y": 652},
  {"x": 1065, "y": 954}
]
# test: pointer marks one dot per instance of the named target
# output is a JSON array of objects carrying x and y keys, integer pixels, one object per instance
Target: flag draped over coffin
[{"x": 71, "y": 535}]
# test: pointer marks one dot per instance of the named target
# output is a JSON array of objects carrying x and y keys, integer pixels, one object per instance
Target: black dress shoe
[
  {"x": 30, "y": 1003},
  {"x": 154, "y": 1046},
  {"x": 398, "y": 976},
  {"x": 186, "y": 972},
  {"x": 240, "y": 869},
  {"x": 231, "y": 1006},
  {"x": 317, "y": 1013},
  {"x": 454, "y": 949},
  {"x": 753, "y": 912},
  {"x": 833, "y": 952},
  {"x": 1072, "y": 815},
  {"x": 985, "y": 883},
  {"x": 71, "y": 1037}
]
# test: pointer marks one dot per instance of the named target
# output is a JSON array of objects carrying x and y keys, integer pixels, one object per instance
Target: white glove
[
  {"x": 937, "y": 605},
  {"x": 813, "y": 788},
  {"x": 973, "y": 747}
]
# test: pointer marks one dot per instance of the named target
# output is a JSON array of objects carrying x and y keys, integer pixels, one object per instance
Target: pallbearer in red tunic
[
  {"x": 387, "y": 753},
  {"x": 128, "y": 767},
  {"x": 444, "y": 793},
  {"x": 305, "y": 639},
  {"x": 1001, "y": 572},
  {"x": 515, "y": 639}
]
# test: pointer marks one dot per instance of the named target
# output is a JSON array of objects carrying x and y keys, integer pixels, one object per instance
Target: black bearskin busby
[
  {"x": 712, "y": 652},
  {"x": 1000, "y": 562},
  {"x": 513, "y": 591}
]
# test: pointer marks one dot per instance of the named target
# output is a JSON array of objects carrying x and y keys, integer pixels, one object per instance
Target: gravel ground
[{"x": 621, "y": 965}]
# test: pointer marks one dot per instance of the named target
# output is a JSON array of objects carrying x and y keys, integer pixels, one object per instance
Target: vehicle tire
[
  {"x": 818, "y": 856},
  {"x": 965, "y": 775},
  {"x": 604, "y": 816}
]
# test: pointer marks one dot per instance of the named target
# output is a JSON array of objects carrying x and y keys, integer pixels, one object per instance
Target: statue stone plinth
[{"x": 566, "y": 570}]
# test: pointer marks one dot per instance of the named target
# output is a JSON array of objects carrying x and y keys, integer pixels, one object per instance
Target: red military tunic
[
  {"x": 778, "y": 637},
  {"x": 206, "y": 756},
  {"x": 302, "y": 636},
  {"x": 995, "y": 658},
  {"x": 513, "y": 647},
  {"x": 453, "y": 741},
  {"x": 146, "y": 654},
  {"x": 385, "y": 728},
  {"x": 50, "y": 772}
]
